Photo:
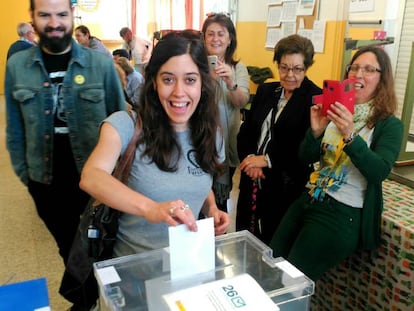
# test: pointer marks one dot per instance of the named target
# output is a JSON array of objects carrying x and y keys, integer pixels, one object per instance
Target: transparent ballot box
[{"x": 142, "y": 281}]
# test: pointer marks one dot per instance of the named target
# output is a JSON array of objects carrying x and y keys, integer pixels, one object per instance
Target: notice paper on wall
[{"x": 241, "y": 292}]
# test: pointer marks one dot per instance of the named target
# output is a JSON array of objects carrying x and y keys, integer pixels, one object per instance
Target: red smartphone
[{"x": 336, "y": 91}]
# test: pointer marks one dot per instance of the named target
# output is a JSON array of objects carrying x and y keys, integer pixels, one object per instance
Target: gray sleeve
[
  {"x": 124, "y": 125},
  {"x": 242, "y": 77}
]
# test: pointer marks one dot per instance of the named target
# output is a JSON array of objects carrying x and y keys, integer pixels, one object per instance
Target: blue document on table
[{"x": 29, "y": 295}]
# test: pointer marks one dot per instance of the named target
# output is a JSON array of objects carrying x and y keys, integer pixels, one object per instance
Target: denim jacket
[{"x": 91, "y": 91}]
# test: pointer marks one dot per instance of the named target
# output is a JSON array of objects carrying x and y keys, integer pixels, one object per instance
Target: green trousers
[{"x": 315, "y": 236}]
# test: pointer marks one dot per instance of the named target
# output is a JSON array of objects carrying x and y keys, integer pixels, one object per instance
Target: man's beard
[{"x": 55, "y": 44}]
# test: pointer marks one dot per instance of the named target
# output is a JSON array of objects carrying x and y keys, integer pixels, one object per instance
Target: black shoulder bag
[{"x": 95, "y": 238}]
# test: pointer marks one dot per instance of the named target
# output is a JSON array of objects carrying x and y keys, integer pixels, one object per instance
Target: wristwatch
[
  {"x": 233, "y": 88},
  {"x": 350, "y": 138}
]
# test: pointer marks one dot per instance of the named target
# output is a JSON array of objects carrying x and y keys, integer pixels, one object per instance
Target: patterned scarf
[
  {"x": 321, "y": 182},
  {"x": 361, "y": 114}
]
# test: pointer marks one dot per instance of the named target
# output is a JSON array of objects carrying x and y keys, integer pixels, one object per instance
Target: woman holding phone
[
  {"x": 356, "y": 151},
  {"x": 232, "y": 92}
]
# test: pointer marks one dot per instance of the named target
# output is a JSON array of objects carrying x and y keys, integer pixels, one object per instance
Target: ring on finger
[
  {"x": 172, "y": 209},
  {"x": 184, "y": 207}
]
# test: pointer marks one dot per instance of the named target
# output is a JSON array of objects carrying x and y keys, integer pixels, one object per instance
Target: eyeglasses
[
  {"x": 296, "y": 70},
  {"x": 367, "y": 70}
]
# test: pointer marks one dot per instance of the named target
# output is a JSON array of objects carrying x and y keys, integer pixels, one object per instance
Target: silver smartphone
[{"x": 212, "y": 61}]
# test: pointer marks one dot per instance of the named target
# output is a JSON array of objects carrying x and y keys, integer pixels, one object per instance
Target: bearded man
[{"x": 56, "y": 96}]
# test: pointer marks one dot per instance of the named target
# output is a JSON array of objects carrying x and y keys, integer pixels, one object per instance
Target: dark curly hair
[{"x": 159, "y": 137}]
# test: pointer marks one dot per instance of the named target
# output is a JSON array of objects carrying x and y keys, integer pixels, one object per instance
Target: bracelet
[
  {"x": 350, "y": 138},
  {"x": 233, "y": 88}
]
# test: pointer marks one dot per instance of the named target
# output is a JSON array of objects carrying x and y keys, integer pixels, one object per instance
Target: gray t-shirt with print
[{"x": 189, "y": 183}]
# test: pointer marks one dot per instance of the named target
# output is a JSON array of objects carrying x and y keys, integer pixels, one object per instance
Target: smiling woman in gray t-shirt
[{"x": 180, "y": 149}]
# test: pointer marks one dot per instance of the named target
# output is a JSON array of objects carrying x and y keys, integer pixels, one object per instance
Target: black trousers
[
  {"x": 223, "y": 205},
  {"x": 60, "y": 203}
]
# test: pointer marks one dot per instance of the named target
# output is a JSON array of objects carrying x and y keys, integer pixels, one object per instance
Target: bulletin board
[{"x": 286, "y": 17}]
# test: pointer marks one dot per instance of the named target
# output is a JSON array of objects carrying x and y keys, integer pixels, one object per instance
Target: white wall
[
  {"x": 252, "y": 11},
  {"x": 377, "y": 14},
  {"x": 333, "y": 10}
]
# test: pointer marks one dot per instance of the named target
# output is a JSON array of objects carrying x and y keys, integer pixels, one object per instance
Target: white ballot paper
[
  {"x": 241, "y": 292},
  {"x": 192, "y": 253}
]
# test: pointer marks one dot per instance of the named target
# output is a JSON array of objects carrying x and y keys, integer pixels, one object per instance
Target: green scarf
[{"x": 361, "y": 114}]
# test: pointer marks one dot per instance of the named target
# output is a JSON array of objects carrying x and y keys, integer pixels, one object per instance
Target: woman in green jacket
[{"x": 356, "y": 151}]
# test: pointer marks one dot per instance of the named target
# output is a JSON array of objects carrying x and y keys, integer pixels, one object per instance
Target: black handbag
[{"x": 95, "y": 238}]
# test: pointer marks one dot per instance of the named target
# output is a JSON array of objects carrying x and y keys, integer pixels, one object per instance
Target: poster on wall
[
  {"x": 273, "y": 16},
  {"x": 316, "y": 35},
  {"x": 273, "y": 35},
  {"x": 288, "y": 29},
  {"x": 306, "y": 7},
  {"x": 357, "y": 6},
  {"x": 289, "y": 12}
]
